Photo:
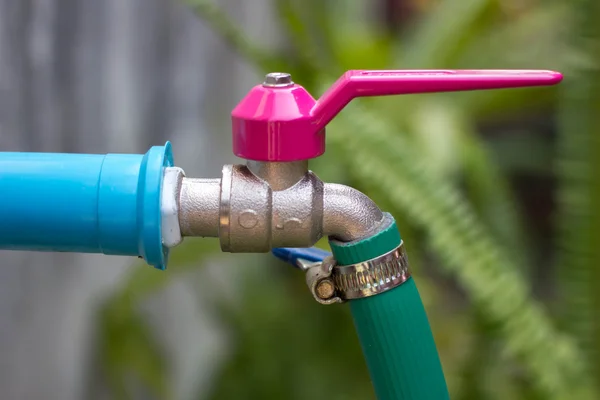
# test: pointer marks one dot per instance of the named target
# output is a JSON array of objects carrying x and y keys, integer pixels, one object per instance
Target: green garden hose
[{"x": 393, "y": 329}]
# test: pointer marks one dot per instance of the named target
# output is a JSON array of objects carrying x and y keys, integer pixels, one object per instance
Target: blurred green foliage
[{"x": 431, "y": 161}]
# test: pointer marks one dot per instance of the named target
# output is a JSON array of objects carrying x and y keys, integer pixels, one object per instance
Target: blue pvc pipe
[{"x": 84, "y": 203}]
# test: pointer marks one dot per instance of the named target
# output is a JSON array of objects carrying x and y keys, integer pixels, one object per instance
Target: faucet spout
[{"x": 348, "y": 214}]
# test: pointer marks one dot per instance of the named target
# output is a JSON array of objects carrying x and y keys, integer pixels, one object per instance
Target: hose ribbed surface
[
  {"x": 393, "y": 329},
  {"x": 398, "y": 345}
]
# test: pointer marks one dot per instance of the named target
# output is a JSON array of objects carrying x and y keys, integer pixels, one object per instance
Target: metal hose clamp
[
  {"x": 373, "y": 276},
  {"x": 330, "y": 283}
]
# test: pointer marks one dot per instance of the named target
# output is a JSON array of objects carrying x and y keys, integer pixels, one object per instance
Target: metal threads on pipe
[{"x": 199, "y": 203}]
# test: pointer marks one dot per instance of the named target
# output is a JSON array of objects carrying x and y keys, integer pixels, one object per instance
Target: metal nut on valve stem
[{"x": 278, "y": 79}]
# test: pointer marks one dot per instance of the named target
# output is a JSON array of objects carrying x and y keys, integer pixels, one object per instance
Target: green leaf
[
  {"x": 435, "y": 41},
  {"x": 533, "y": 39},
  {"x": 356, "y": 49},
  {"x": 492, "y": 198},
  {"x": 308, "y": 25}
]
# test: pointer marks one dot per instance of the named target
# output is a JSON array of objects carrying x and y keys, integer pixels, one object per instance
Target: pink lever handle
[
  {"x": 281, "y": 121},
  {"x": 383, "y": 83}
]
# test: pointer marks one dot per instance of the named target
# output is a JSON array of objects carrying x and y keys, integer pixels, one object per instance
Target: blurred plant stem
[{"x": 578, "y": 167}]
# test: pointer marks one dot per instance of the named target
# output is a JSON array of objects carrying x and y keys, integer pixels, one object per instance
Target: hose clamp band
[
  {"x": 330, "y": 283},
  {"x": 372, "y": 277}
]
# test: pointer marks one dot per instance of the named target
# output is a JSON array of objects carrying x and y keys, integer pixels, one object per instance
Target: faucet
[{"x": 143, "y": 205}]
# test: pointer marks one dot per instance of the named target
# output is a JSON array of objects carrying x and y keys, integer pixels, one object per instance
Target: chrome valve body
[{"x": 263, "y": 205}]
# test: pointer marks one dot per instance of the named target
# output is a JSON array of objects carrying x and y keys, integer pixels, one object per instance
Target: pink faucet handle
[
  {"x": 359, "y": 83},
  {"x": 281, "y": 121}
]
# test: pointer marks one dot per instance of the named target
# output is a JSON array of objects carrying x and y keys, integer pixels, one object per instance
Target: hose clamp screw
[
  {"x": 325, "y": 289},
  {"x": 319, "y": 280}
]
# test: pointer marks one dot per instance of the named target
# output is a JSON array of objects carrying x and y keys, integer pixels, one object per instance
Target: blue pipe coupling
[{"x": 86, "y": 203}]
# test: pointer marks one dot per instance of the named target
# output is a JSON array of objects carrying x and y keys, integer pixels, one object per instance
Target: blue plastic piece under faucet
[
  {"x": 291, "y": 254},
  {"x": 92, "y": 203}
]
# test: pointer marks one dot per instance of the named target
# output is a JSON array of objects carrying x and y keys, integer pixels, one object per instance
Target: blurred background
[{"x": 497, "y": 194}]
